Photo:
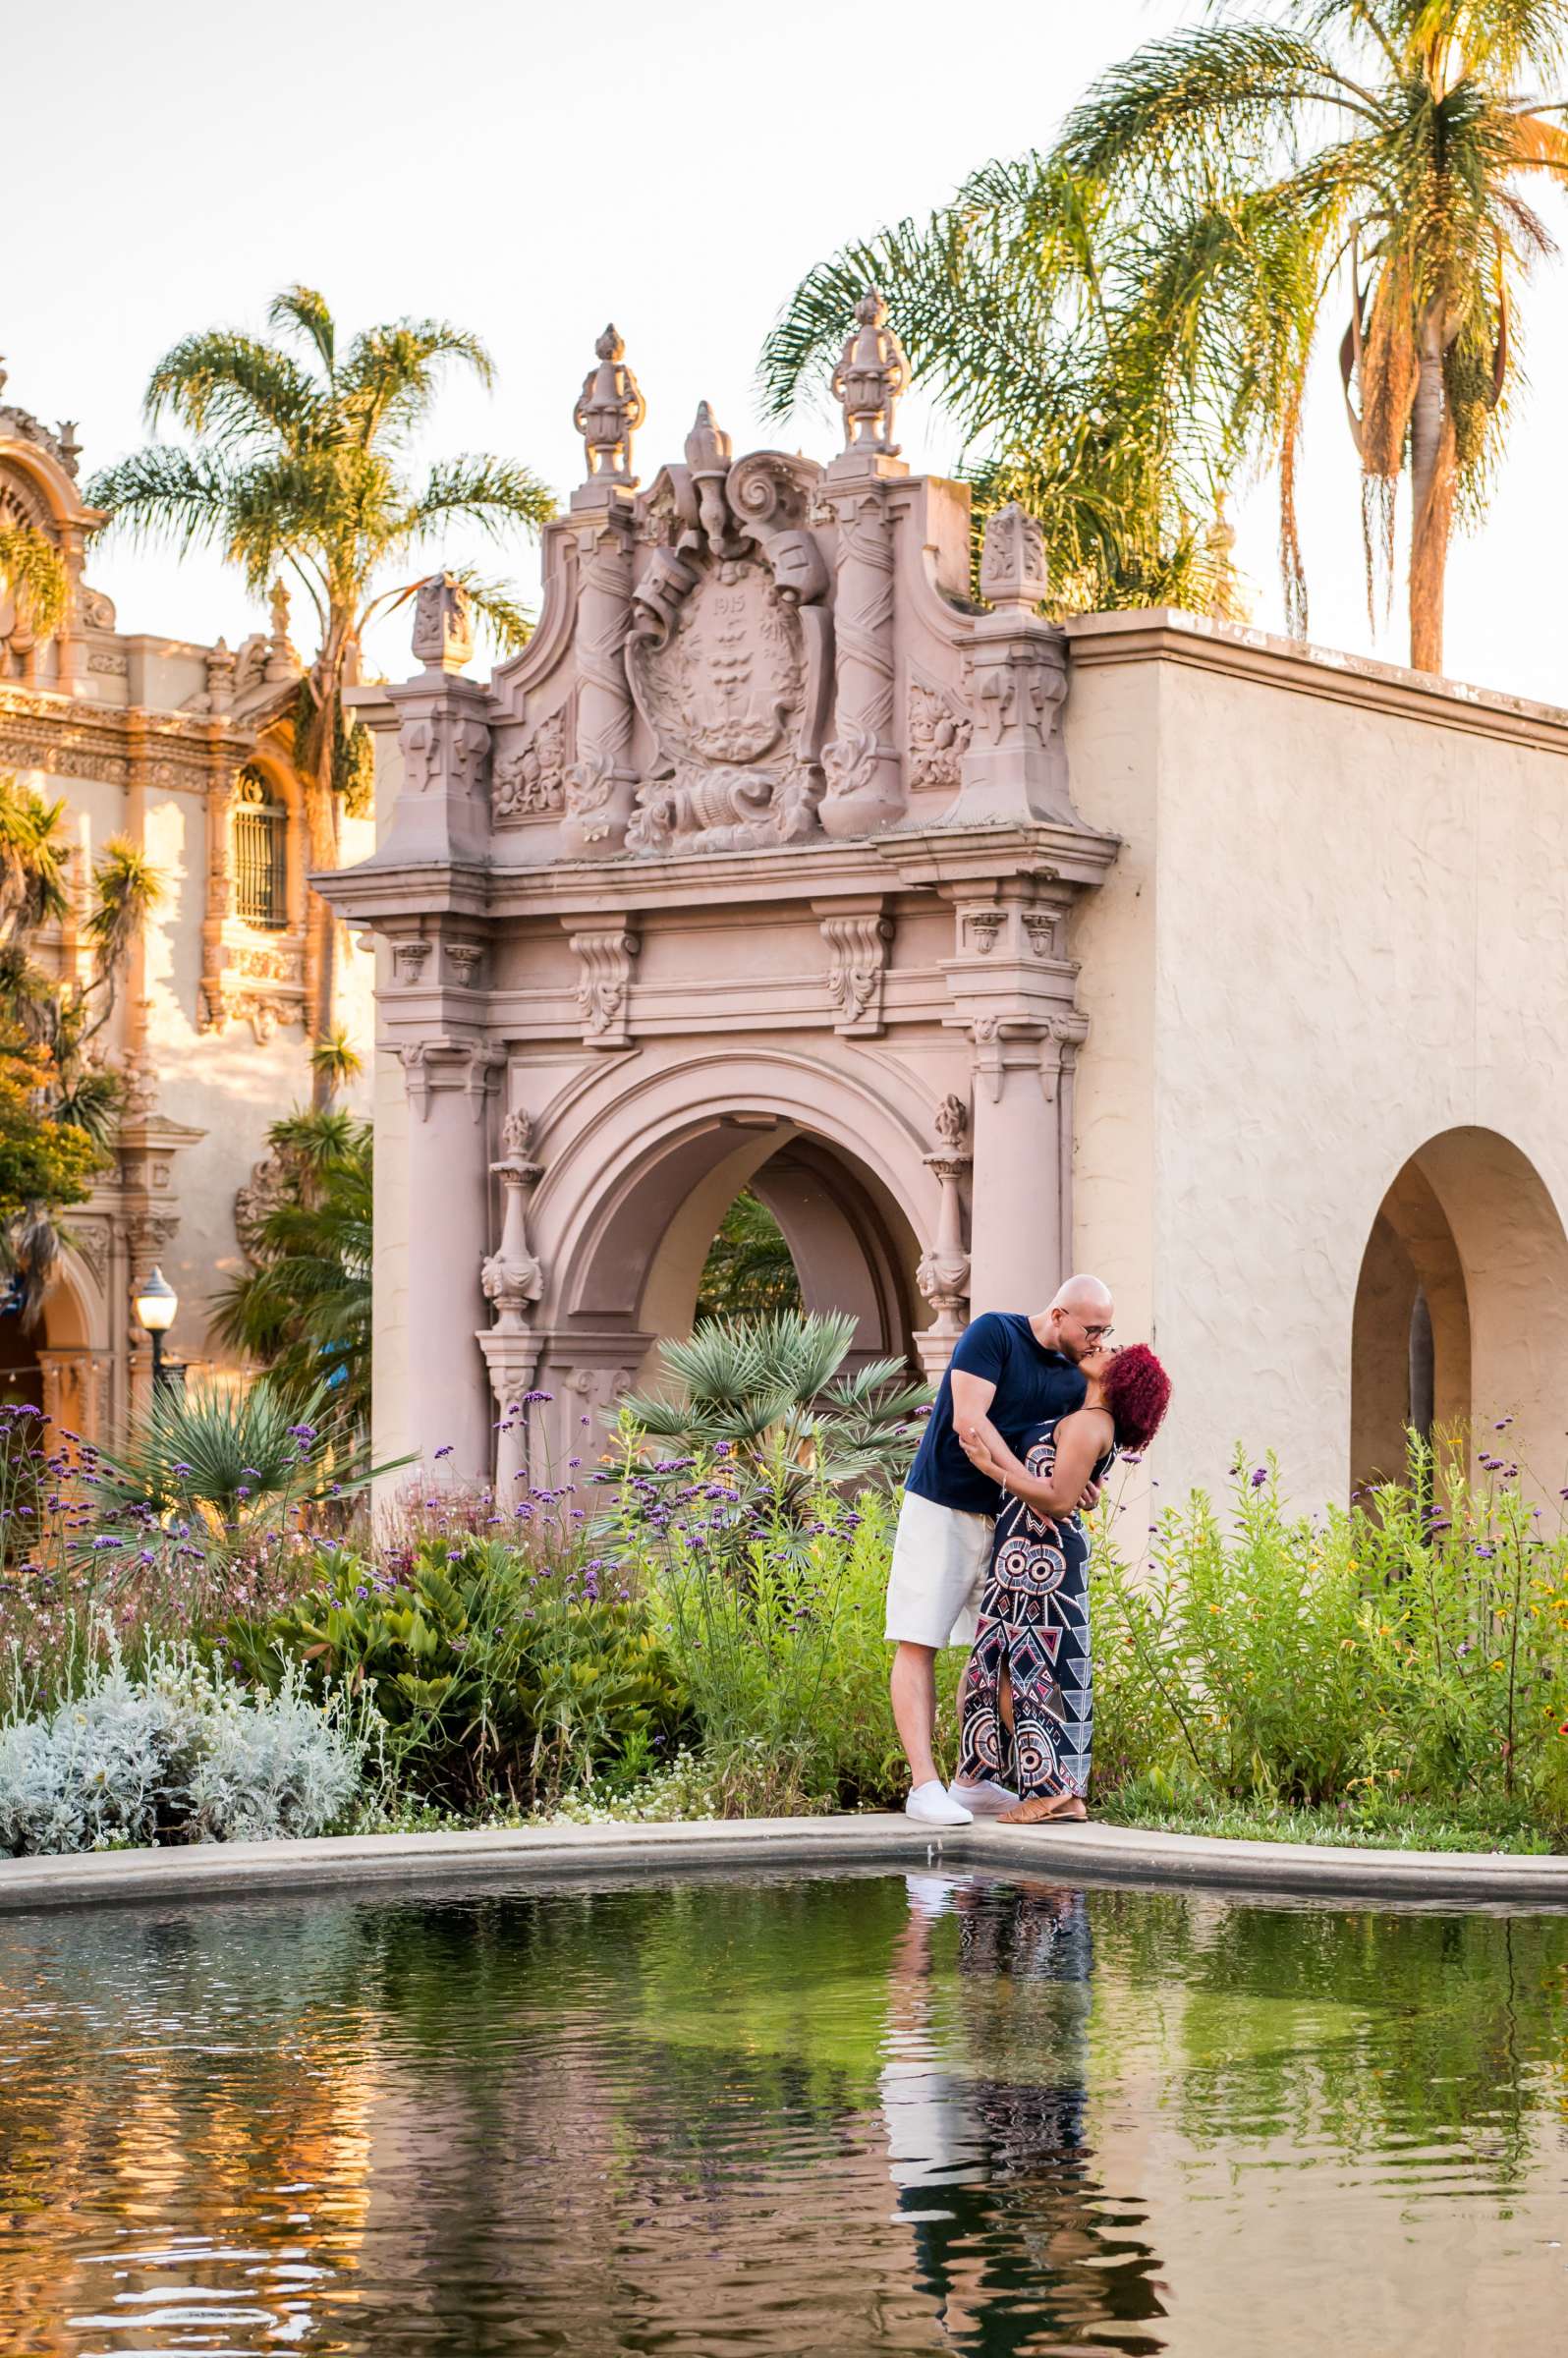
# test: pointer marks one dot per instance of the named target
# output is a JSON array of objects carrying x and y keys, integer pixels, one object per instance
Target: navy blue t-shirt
[{"x": 1033, "y": 1385}]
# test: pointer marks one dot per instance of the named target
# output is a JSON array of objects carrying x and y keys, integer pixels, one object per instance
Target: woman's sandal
[{"x": 1044, "y": 1808}]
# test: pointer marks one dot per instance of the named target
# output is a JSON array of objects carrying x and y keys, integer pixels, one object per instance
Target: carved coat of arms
[{"x": 720, "y": 679}]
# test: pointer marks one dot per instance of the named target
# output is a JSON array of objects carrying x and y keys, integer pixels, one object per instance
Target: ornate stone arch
[
  {"x": 636, "y": 1173},
  {"x": 1467, "y": 1260}
]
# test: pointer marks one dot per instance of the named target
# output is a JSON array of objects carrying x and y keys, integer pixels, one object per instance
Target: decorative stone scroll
[
  {"x": 607, "y": 959},
  {"x": 860, "y": 944}
]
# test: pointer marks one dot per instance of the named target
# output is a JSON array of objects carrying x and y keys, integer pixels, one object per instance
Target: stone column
[
  {"x": 1011, "y": 991},
  {"x": 512, "y": 1280},
  {"x": 944, "y": 1272},
  {"x": 443, "y": 811},
  {"x": 865, "y": 782},
  {"x": 1014, "y": 768},
  {"x": 600, "y": 783},
  {"x": 450, "y": 1080},
  {"x": 1015, "y": 1198}
]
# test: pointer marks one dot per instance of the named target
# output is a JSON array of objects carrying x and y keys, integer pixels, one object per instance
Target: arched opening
[
  {"x": 1461, "y": 1314},
  {"x": 750, "y": 1271}
]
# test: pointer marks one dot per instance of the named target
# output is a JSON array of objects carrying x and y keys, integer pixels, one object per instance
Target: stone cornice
[
  {"x": 1164, "y": 635},
  {"x": 73, "y": 737},
  {"x": 382, "y": 891}
]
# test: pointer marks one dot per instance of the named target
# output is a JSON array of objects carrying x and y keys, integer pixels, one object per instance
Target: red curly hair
[{"x": 1136, "y": 1392}]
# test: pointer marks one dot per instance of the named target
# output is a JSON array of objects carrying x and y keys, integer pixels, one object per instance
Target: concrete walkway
[{"x": 531, "y": 1854}]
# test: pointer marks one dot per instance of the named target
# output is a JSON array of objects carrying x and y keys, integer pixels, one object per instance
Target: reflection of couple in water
[
  {"x": 991, "y": 1547},
  {"x": 984, "y": 2108}
]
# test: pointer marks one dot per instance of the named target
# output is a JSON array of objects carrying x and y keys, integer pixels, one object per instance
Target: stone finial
[
  {"x": 443, "y": 623},
  {"x": 872, "y": 374},
  {"x": 283, "y": 661},
  {"x": 709, "y": 452},
  {"x": 517, "y": 1134},
  {"x": 1013, "y": 567},
  {"x": 69, "y": 448},
  {"x": 952, "y": 1121},
  {"x": 609, "y": 411},
  {"x": 220, "y": 677}
]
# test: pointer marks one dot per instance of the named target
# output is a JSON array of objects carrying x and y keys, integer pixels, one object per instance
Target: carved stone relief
[
  {"x": 939, "y": 731},
  {"x": 529, "y": 782}
]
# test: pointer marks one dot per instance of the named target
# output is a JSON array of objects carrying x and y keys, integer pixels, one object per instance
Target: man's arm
[
  {"x": 972, "y": 1397},
  {"x": 1067, "y": 1487}
]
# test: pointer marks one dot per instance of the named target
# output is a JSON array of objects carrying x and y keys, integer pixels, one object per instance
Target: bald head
[{"x": 1079, "y": 1318}]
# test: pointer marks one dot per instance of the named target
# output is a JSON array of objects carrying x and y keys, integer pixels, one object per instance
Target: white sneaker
[
  {"x": 933, "y": 1805},
  {"x": 985, "y": 1800}
]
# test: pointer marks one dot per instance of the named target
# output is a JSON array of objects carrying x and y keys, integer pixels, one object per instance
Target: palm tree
[
  {"x": 33, "y": 572},
  {"x": 1020, "y": 304},
  {"x": 302, "y": 1309},
  {"x": 63, "y": 1107},
  {"x": 300, "y": 465},
  {"x": 1225, "y": 191}
]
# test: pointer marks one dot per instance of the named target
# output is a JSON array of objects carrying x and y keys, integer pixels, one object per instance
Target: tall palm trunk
[{"x": 1432, "y": 477}]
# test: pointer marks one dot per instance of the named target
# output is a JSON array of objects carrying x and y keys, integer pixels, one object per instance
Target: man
[{"x": 1008, "y": 1372}]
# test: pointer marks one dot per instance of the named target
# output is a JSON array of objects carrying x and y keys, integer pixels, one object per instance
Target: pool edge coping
[{"x": 1092, "y": 1852}]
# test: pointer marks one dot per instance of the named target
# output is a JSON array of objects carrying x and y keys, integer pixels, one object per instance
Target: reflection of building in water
[{"x": 1015, "y": 2237}]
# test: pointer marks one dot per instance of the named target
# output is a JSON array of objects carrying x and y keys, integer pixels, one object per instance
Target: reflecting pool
[{"x": 846, "y": 2114}]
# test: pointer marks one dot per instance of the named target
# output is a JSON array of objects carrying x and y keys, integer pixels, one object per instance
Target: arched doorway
[
  {"x": 1461, "y": 1314},
  {"x": 635, "y": 1190}
]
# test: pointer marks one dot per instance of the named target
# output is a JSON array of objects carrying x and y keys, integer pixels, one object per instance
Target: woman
[{"x": 1026, "y": 1707}]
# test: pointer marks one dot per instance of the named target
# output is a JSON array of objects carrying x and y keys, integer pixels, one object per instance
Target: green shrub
[
  {"x": 1392, "y": 1648},
  {"x": 773, "y": 1617},
  {"x": 497, "y": 1677}
]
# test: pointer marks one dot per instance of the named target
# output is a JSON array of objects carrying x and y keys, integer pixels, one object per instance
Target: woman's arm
[{"x": 1082, "y": 1440}]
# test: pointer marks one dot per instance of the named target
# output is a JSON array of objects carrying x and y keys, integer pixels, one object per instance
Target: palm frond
[{"x": 234, "y": 388}]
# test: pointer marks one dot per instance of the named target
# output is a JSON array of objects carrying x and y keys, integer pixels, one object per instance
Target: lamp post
[{"x": 156, "y": 1305}]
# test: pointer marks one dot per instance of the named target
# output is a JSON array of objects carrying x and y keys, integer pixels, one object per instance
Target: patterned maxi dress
[{"x": 1033, "y": 1632}]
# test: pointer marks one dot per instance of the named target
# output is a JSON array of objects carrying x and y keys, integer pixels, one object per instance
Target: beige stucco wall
[{"x": 1334, "y": 934}]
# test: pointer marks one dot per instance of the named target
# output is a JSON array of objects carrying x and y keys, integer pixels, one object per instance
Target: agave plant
[
  {"x": 232, "y": 1459},
  {"x": 770, "y": 1394}
]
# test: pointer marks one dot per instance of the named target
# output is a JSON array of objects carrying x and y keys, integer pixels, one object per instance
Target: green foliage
[
  {"x": 498, "y": 1674},
  {"x": 770, "y": 1393},
  {"x": 33, "y": 574},
  {"x": 302, "y": 1309},
  {"x": 234, "y": 1459},
  {"x": 58, "y": 1110},
  {"x": 1121, "y": 328},
  {"x": 1422, "y": 1656},
  {"x": 749, "y": 1273},
  {"x": 776, "y": 1634}
]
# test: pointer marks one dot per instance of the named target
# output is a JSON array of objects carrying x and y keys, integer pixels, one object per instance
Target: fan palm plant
[
  {"x": 232, "y": 1459},
  {"x": 301, "y": 466},
  {"x": 770, "y": 1395}
]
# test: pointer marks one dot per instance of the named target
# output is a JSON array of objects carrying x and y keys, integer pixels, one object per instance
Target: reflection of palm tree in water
[{"x": 1015, "y": 2241}]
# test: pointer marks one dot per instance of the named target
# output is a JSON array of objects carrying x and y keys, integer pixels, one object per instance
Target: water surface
[{"x": 851, "y": 2113}]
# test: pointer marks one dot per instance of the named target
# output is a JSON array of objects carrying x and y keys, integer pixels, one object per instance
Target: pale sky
[{"x": 530, "y": 171}]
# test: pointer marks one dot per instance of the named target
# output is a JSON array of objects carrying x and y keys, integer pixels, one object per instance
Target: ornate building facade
[
  {"x": 976, "y": 948},
  {"x": 184, "y": 751}
]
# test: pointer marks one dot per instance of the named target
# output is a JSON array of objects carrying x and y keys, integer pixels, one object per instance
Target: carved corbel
[
  {"x": 606, "y": 957},
  {"x": 446, "y": 1063},
  {"x": 1058, "y": 1052},
  {"x": 859, "y": 943}
]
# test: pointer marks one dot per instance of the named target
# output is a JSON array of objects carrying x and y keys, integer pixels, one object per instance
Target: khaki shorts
[{"x": 940, "y": 1557}]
